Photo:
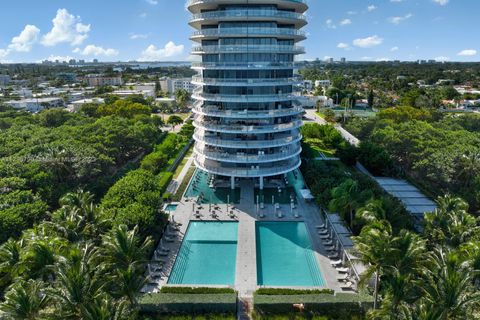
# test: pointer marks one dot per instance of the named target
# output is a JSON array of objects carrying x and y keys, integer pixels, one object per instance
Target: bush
[
  {"x": 188, "y": 290},
  {"x": 286, "y": 292},
  {"x": 191, "y": 304},
  {"x": 165, "y": 179},
  {"x": 339, "y": 306},
  {"x": 375, "y": 159}
]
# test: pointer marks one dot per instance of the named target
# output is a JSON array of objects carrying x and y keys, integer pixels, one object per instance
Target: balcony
[
  {"x": 280, "y": 141},
  {"x": 284, "y": 154},
  {"x": 214, "y": 111},
  {"x": 248, "y": 48},
  {"x": 248, "y": 98},
  {"x": 252, "y": 172},
  {"x": 246, "y": 129},
  {"x": 244, "y": 65},
  {"x": 235, "y": 82},
  {"x": 213, "y": 17},
  {"x": 298, "y": 35}
]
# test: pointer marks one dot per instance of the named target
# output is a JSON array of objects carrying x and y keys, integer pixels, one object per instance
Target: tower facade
[{"x": 247, "y": 117}]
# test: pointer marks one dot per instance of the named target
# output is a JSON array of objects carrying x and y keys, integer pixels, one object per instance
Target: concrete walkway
[
  {"x": 311, "y": 114},
  {"x": 175, "y": 184}
]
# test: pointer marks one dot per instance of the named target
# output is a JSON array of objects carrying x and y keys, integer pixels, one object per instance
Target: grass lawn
[{"x": 183, "y": 163}]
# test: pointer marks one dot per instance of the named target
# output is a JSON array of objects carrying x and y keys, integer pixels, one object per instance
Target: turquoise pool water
[
  {"x": 171, "y": 207},
  {"x": 199, "y": 186},
  {"x": 285, "y": 257},
  {"x": 208, "y": 255}
]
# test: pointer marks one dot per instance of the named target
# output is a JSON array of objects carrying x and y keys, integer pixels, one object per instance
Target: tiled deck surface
[{"x": 245, "y": 214}]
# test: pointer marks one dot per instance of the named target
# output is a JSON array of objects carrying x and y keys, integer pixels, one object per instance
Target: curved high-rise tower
[{"x": 247, "y": 117}]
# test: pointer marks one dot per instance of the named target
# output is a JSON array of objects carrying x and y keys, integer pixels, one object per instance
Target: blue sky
[{"x": 113, "y": 30}]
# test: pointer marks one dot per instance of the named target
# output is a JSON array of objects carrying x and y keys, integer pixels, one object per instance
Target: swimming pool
[
  {"x": 208, "y": 255},
  {"x": 171, "y": 207},
  {"x": 285, "y": 257},
  {"x": 199, "y": 186}
]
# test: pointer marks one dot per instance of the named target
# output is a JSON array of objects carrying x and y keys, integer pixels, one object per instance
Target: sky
[{"x": 158, "y": 30}]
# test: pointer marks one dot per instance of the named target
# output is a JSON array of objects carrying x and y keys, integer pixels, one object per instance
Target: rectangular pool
[
  {"x": 285, "y": 257},
  {"x": 208, "y": 255}
]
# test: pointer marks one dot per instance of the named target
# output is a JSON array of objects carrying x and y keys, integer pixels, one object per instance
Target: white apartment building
[
  {"x": 36, "y": 105},
  {"x": 322, "y": 83},
  {"x": 171, "y": 85},
  {"x": 94, "y": 80}
]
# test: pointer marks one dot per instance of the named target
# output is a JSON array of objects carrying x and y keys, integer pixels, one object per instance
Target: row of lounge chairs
[{"x": 344, "y": 278}]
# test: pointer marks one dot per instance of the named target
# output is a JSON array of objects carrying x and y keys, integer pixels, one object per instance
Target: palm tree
[
  {"x": 122, "y": 248},
  {"x": 385, "y": 208},
  {"x": 448, "y": 286},
  {"x": 450, "y": 223},
  {"x": 374, "y": 244},
  {"x": 105, "y": 308},
  {"x": 344, "y": 199},
  {"x": 127, "y": 283},
  {"x": 10, "y": 258},
  {"x": 24, "y": 301},
  {"x": 78, "y": 282}
]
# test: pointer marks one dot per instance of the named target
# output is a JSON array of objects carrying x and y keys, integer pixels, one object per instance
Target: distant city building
[
  {"x": 307, "y": 85},
  {"x": 76, "y": 105},
  {"x": 67, "y": 77},
  {"x": 343, "y": 60},
  {"x": 95, "y": 60},
  {"x": 330, "y": 60},
  {"x": 81, "y": 61},
  {"x": 172, "y": 85},
  {"x": 4, "y": 80},
  {"x": 38, "y": 104},
  {"x": 72, "y": 61},
  {"x": 128, "y": 93},
  {"x": 445, "y": 82},
  {"x": 98, "y": 80},
  {"x": 322, "y": 83},
  {"x": 24, "y": 93}
]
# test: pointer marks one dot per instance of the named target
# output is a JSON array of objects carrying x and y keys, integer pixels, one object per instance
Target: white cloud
[
  {"x": 59, "y": 58},
  {"x": 368, "y": 42},
  {"x": 3, "y": 53},
  {"x": 135, "y": 36},
  {"x": 25, "y": 40},
  {"x": 67, "y": 28},
  {"x": 468, "y": 53},
  {"x": 143, "y": 15},
  {"x": 442, "y": 2},
  {"x": 330, "y": 24},
  {"x": 442, "y": 58},
  {"x": 345, "y": 22},
  {"x": 152, "y": 53},
  {"x": 371, "y": 8},
  {"x": 393, "y": 49},
  {"x": 398, "y": 20},
  {"x": 396, "y": 1},
  {"x": 383, "y": 59},
  {"x": 343, "y": 45},
  {"x": 352, "y": 13},
  {"x": 152, "y": 2},
  {"x": 92, "y": 50}
]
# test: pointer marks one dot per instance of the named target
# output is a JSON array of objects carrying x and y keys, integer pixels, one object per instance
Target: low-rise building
[
  {"x": 36, "y": 105},
  {"x": 323, "y": 83},
  {"x": 76, "y": 105},
  {"x": 307, "y": 85},
  {"x": 171, "y": 85},
  {"x": 67, "y": 77},
  {"x": 128, "y": 93},
  {"x": 4, "y": 80},
  {"x": 94, "y": 80}
]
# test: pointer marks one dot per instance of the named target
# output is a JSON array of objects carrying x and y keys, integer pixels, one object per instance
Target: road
[{"x": 312, "y": 116}]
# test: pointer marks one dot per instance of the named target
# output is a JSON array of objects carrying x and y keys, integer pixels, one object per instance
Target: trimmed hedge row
[
  {"x": 171, "y": 303},
  {"x": 339, "y": 306},
  {"x": 188, "y": 290},
  {"x": 289, "y": 292}
]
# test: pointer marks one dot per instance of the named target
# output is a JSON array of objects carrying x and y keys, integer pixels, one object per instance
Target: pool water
[
  {"x": 208, "y": 255},
  {"x": 285, "y": 257},
  {"x": 199, "y": 186},
  {"x": 171, "y": 207}
]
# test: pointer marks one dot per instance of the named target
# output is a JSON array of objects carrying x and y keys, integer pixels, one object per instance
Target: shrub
[
  {"x": 191, "y": 304},
  {"x": 285, "y": 292},
  {"x": 164, "y": 181},
  {"x": 339, "y": 306},
  {"x": 188, "y": 290}
]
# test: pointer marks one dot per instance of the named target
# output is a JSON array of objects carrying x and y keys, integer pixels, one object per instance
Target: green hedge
[
  {"x": 289, "y": 292},
  {"x": 188, "y": 290},
  {"x": 164, "y": 181},
  {"x": 191, "y": 304},
  {"x": 339, "y": 306}
]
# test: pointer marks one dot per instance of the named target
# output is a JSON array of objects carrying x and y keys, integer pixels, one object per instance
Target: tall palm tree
[
  {"x": 122, "y": 248},
  {"x": 346, "y": 199},
  {"x": 127, "y": 283},
  {"x": 10, "y": 258},
  {"x": 448, "y": 286},
  {"x": 450, "y": 223},
  {"x": 78, "y": 282},
  {"x": 24, "y": 301},
  {"x": 384, "y": 208},
  {"x": 105, "y": 308},
  {"x": 374, "y": 244}
]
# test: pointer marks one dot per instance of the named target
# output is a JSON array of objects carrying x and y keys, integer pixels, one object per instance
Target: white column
[
  {"x": 261, "y": 183},
  {"x": 232, "y": 182}
]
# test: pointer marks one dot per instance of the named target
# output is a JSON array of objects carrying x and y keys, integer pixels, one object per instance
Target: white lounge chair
[
  {"x": 336, "y": 263},
  {"x": 322, "y": 226},
  {"x": 333, "y": 255},
  {"x": 342, "y": 270},
  {"x": 325, "y": 231},
  {"x": 330, "y": 248},
  {"x": 343, "y": 278},
  {"x": 347, "y": 286},
  {"x": 324, "y": 236},
  {"x": 327, "y": 242}
]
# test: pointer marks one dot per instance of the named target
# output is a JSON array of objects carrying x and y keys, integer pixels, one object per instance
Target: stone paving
[{"x": 245, "y": 213}]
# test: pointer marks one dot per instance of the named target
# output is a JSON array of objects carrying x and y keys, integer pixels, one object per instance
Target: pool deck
[{"x": 245, "y": 214}]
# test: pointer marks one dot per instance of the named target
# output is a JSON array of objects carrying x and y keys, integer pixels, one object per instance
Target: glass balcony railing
[
  {"x": 245, "y": 98},
  {"x": 239, "y": 157},
  {"x": 248, "y": 32},
  {"x": 244, "y": 65},
  {"x": 253, "y": 171},
  {"x": 199, "y": 80},
  {"x": 194, "y": 2},
  {"x": 234, "y": 128},
  {"x": 248, "y": 13},
  {"x": 279, "y": 141},
  {"x": 248, "y": 48},
  {"x": 214, "y": 111}
]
